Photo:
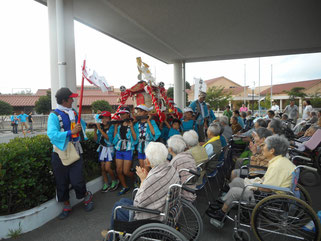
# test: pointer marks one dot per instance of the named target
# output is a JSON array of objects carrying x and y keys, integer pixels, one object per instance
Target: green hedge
[{"x": 26, "y": 178}]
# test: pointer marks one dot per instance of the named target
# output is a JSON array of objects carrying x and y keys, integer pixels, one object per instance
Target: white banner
[{"x": 199, "y": 85}]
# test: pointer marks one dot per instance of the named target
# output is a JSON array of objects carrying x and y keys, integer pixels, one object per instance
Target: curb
[{"x": 36, "y": 217}]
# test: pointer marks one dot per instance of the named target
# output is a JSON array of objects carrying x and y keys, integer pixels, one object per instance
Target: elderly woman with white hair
[
  {"x": 198, "y": 152},
  {"x": 279, "y": 173},
  {"x": 154, "y": 185},
  {"x": 181, "y": 160},
  {"x": 213, "y": 146},
  {"x": 227, "y": 133}
]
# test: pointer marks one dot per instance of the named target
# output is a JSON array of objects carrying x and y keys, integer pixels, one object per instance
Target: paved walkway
[
  {"x": 83, "y": 226},
  {"x": 6, "y": 136}
]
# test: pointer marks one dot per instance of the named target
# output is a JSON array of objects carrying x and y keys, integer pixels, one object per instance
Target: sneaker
[
  {"x": 65, "y": 213},
  {"x": 123, "y": 191},
  {"x": 114, "y": 185},
  {"x": 106, "y": 187},
  {"x": 88, "y": 202}
]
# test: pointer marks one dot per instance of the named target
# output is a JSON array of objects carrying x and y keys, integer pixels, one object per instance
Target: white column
[
  {"x": 179, "y": 85},
  {"x": 62, "y": 46},
  {"x": 300, "y": 106},
  {"x": 281, "y": 105}
]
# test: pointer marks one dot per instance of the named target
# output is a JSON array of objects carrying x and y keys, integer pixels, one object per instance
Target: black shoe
[
  {"x": 217, "y": 215},
  {"x": 215, "y": 206}
]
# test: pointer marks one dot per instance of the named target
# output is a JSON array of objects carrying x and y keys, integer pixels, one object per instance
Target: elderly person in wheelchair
[
  {"x": 182, "y": 160},
  {"x": 153, "y": 188},
  {"x": 257, "y": 158},
  {"x": 279, "y": 173},
  {"x": 198, "y": 152}
]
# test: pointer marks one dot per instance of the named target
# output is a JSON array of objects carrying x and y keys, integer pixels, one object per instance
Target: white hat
[
  {"x": 188, "y": 109},
  {"x": 144, "y": 107}
]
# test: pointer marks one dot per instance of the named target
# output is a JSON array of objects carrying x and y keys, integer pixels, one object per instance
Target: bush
[
  {"x": 5, "y": 108},
  {"x": 101, "y": 105},
  {"x": 26, "y": 178}
]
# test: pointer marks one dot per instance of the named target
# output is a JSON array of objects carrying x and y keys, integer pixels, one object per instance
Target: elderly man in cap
[
  {"x": 201, "y": 115},
  {"x": 64, "y": 134}
]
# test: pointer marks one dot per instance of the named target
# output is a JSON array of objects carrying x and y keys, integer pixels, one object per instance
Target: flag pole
[{"x": 81, "y": 91}]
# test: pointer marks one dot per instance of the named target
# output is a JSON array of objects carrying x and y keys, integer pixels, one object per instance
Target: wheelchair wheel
[
  {"x": 284, "y": 217},
  {"x": 304, "y": 194},
  {"x": 241, "y": 235},
  {"x": 309, "y": 178},
  {"x": 157, "y": 231},
  {"x": 190, "y": 223}
]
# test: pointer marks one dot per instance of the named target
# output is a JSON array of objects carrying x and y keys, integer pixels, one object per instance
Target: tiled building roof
[
  {"x": 20, "y": 100},
  {"x": 212, "y": 81},
  {"x": 281, "y": 88},
  {"x": 91, "y": 94}
]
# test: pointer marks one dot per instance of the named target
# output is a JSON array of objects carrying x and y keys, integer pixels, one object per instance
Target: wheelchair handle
[
  {"x": 190, "y": 171},
  {"x": 308, "y": 168},
  {"x": 195, "y": 173},
  {"x": 191, "y": 190}
]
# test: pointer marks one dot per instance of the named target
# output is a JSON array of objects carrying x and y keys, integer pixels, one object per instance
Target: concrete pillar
[
  {"x": 300, "y": 106},
  {"x": 281, "y": 105},
  {"x": 179, "y": 84},
  {"x": 62, "y": 47}
]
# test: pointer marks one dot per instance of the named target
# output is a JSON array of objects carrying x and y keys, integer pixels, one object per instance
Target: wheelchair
[
  {"x": 283, "y": 214},
  {"x": 172, "y": 224},
  {"x": 310, "y": 157},
  {"x": 190, "y": 222}
]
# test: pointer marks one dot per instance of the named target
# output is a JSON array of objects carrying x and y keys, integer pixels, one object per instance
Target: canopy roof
[{"x": 201, "y": 30}]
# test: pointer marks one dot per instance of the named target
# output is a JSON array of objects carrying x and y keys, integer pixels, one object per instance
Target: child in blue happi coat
[
  {"x": 174, "y": 129},
  {"x": 146, "y": 131},
  {"x": 188, "y": 122},
  {"x": 104, "y": 135},
  {"x": 125, "y": 139}
]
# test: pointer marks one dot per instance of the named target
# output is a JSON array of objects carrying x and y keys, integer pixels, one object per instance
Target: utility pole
[
  {"x": 271, "y": 83},
  {"x": 244, "y": 100},
  {"x": 259, "y": 87}
]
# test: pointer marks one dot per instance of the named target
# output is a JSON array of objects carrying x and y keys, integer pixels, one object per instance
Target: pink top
[{"x": 243, "y": 109}]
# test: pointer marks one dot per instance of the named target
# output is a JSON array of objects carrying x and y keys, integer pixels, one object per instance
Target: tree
[
  {"x": 296, "y": 92},
  {"x": 43, "y": 104},
  {"x": 266, "y": 103},
  {"x": 5, "y": 108},
  {"x": 170, "y": 90},
  {"x": 315, "y": 100},
  {"x": 102, "y": 105},
  {"x": 188, "y": 85},
  {"x": 217, "y": 97}
]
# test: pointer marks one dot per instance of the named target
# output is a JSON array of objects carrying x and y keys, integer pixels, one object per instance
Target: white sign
[{"x": 199, "y": 85}]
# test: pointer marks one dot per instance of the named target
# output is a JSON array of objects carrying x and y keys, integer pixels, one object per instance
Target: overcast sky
[{"x": 24, "y": 48}]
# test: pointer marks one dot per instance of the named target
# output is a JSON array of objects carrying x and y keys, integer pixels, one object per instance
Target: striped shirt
[
  {"x": 185, "y": 160},
  {"x": 152, "y": 193}
]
